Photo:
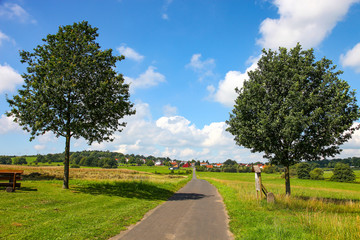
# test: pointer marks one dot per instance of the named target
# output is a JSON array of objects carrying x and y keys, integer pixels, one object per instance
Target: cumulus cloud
[
  {"x": 354, "y": 142},
  {"x": 225, "y": 92},
  {"x": 39, "y": 147},
  {"x": 147, "y": 79},
  {"x": 130, "y": 53},
  {"x": 9, "y": 78},
  {"x": 178, "y": 138},
  {"x": 352, "y": 58},
  {"x": 307, "y": 22},
  {"x": 202, "y": 68},
  {"x": 7, "y": 125},
  {"x": 14, "y": 11},
  {"x": 173, "y": 136}
]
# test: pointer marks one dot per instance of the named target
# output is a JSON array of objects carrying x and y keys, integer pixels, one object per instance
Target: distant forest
[{"x": 89, "y": 158}]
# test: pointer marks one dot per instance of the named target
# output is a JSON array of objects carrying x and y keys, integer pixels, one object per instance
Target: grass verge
[
  {"x": 315, "y": 210},
  {"x": 90, "y": 209}
]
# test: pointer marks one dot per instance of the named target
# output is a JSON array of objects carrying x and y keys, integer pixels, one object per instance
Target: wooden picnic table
[{"x": 12, "y": 176}]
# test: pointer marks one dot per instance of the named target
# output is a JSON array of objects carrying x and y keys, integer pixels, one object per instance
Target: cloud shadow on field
[{"x": 138, "y": 190}]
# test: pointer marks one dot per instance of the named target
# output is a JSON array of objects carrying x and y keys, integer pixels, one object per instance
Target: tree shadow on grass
[{"x": 138, "y": 190}]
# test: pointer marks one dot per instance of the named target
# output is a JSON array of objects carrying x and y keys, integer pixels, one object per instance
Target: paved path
[{"x": 195, "y": 212}]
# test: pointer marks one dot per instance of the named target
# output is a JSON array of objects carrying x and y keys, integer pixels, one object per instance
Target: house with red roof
[{"x": 186, "y": 165}]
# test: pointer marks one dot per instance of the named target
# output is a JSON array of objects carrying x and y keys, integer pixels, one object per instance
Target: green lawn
[
  {"x": 315, "y": 210},
  {"x": 41, "y": 209}
]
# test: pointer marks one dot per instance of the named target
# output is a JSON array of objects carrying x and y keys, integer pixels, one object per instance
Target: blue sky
[{"x": 183, "y": 61}]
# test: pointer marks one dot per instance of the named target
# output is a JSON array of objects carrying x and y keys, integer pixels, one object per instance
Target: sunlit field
[
  {"x": 315, "y": 210},
  {"x": 99, "y": 204}
]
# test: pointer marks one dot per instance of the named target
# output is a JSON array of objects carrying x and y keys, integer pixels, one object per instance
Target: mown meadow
[
  {"x": 316, "y": 209},
  {"x": 99, "y": 204}
]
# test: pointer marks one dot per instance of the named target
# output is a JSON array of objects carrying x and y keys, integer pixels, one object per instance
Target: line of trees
[{"x": 90, "y": 159}]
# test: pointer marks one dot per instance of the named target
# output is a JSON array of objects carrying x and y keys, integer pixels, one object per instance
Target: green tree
[
  {"x": 230, "y": 162},
  {"x": 5, "y": 160},
  {"x": 293, "y": 108},
  {"x": 71, "y": 89},
  {"x": 149, "y": 162},
  {"x": 19, "y": 161},
  {"x": 303, "y": 170},
  {"x": 108, "y": 163},
  {"x": 343, "y": 173},
  {"x": 317, "y": 174},
  {"x": 40, "y": 158}
]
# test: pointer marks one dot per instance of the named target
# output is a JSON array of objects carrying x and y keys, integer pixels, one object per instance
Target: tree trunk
[
  {"x": 287, "y": 180},
  {"x": 66, "y": 161}
]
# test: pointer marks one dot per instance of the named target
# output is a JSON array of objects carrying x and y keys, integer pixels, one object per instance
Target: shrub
[
  {"x": 343, "y": 173},
  {"x": 5, "y": 160},
  {"x": 317, "y": 174},
  {"x": 74, "y": 166},
  {"x": 303, "y": 170},
  {"x": 231, "y": 168},
  {"x": 19, "y": 161},
  {"x": 200, "y": 168},
  {"x": 270, "y": 169},
  {"x": 149, "y": 163}
]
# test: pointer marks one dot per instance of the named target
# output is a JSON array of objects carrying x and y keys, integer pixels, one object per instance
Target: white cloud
[
  {"x": 354, "y": 142},
  {"x": 225, "y": 93},
  {"x": 352, "y": 58},
  {"x": 9, "y": 78},
  {"x": 147, "y": 79},
  {"x": 175, "y": 124},
  {"x": 165, "y": 16},
  {"x": 306, "y": 21},
  {"x": 39, "y": 147},
  {"x": 123, "y": 148},
  {"x": 48, "y": 137},
  {"x": 175, "y": 137},
  {"x": 203, "y": 68},
  {"x": 7, "y": 125},
  {"x": 15, "y": 11},
  {"x": 130, "y": 53},
  {"x": 3, "y": 37},
  {"x": 165, "y": 8},
  {"x": 169, "y": 110}
]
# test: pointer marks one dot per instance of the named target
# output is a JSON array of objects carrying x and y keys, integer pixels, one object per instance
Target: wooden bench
[{"x": 12, "y": 176}]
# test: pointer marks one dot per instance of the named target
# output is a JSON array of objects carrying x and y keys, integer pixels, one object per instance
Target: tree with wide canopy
[
  {"x": 293, "y": 108},
  {"x": 71, "y": 89}
]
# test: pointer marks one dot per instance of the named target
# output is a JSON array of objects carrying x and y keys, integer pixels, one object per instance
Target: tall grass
[{"x": 315, "y": 210}]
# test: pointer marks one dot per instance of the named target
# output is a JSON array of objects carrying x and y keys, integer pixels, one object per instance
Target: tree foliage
[
  {"x": 19, "y": 161},
  {"x": 71, "y": 89},
  {"x": 293, "y": 108},
  {"x": 230, "y": 162},
  {"x": 343, "y": 173},
  {"x": 317, "y": 174},
  {"x": 303, "y": 170}
]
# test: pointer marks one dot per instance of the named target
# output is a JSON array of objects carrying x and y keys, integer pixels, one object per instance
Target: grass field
[
  {"x": 315, "y": 209},
  {"x": 99, "y": 204}
]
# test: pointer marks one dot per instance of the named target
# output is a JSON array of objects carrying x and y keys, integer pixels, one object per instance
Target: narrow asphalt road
[{"x": 195, "y": 212}]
